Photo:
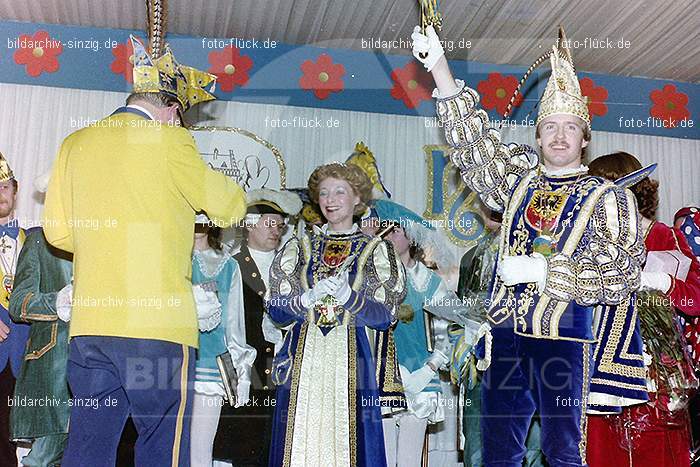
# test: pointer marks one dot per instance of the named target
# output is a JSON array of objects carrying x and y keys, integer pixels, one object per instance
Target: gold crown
[
  {"x": 5, "y": 170},
  {"x": 562, "y": 95},
  {"x": 164, "y": 74}
]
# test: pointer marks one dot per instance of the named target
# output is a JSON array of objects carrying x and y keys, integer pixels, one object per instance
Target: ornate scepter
[
  {"x": 564, "y": 52},
  {"x": 156, "y": 25},
  {"x": 429, "y": 16}
]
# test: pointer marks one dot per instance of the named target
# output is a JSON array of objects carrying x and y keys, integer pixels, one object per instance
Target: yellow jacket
[{"x": 122, "y": 198}]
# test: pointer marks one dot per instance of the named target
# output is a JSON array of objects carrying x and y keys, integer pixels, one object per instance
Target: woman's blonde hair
[{"x": 356, "y": 178}]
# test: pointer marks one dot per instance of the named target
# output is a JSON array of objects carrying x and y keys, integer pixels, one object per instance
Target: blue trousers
[
  {"x": 527, "y": 375},
  {"x": 114, "y": 377}
]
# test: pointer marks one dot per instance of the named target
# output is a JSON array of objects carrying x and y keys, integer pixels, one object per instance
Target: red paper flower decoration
[
  {"x": 123, "y": 63},
  {"x": 39, "y": 53},
  {"x": 497, "y": 90},
  {"x": 669, "y": 105},
  {"x": 595, "y": 97},
  {"x": 412, "y": 84},
  {"x": 322, "y": 76},
  {"x": 230, "y": 67}
]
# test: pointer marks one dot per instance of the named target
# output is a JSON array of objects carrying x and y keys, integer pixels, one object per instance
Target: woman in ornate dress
[{"x": 336, "y": 286}]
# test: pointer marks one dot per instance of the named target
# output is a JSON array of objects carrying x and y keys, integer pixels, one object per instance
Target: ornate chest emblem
[
  {"x": 335, "y": 252},
  {"x": 544, "y": 209},
  {"x": 542, "y": 214}
]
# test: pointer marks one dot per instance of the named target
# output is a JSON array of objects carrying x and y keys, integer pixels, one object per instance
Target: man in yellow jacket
[{"x": 122, "y": 198}]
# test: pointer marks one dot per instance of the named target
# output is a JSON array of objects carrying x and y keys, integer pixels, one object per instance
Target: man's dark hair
[
  {"x": 214, "y": 237},
  {"x": 155, "y": 98},
  {"x": 15, "y": 184}
]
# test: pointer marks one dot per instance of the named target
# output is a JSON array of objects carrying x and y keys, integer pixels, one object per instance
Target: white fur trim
[{"x": 41, "y": 183}]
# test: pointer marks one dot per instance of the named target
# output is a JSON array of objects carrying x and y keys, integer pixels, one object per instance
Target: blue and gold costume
[
  {"x": 544, "y": 340},
  {"x": 329, "y": 382}
]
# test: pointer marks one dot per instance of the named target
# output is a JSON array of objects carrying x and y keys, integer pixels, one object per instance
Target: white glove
[
  {"x": 340, "y": 287},
  {"x": 242, "y": 393},
  {"x": 523, "y": 269},
  {"x": 427, "y": 43},
  {"x": 656, "y": 281},
  {"x": 208, "y": 308},
  {"x": 64, "y": 299},
  {"x": 437, "y": 360},
  {"x": 271, "y": 333},
  {"x": 316, "y": 293},
  {"x": 414, "y": 383}
]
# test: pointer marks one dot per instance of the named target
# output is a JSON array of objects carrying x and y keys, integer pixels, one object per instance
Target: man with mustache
[
  {"x": 13, "y": 336},
  {"x": 569, "y": 241},
  {"x": 243, "y": 436}
]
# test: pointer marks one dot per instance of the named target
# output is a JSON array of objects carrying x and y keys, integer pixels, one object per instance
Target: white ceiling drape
[{"x": 656, "y": 39}]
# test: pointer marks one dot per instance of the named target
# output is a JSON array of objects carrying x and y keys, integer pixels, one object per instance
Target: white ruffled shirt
[
  {"x": 243, "y": 355},
  {"x": 263, "y": 261}
]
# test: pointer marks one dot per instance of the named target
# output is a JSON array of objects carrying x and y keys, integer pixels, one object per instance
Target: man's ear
[
  {"x": 175, "y": 115},
  {"x": 584, "y": 143}
]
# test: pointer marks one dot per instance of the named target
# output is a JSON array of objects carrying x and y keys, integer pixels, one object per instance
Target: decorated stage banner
[
  {"x": 450, "y": 204},
  {"x": 245, "y": 157}
]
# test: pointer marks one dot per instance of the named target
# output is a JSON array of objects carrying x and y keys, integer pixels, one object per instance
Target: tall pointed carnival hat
[
  {"x": 156, "y": 70},
  {"x": 562, "y": 95}
]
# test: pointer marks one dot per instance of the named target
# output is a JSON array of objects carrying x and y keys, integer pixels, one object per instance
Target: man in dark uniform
[{"x": 243, "y": 436}]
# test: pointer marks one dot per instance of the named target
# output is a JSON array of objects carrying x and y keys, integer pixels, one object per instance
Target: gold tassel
[{"x": 429, "y": 16}]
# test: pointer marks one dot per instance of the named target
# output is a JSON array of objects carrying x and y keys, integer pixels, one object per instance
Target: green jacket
[{"x": 41, "y": 401}]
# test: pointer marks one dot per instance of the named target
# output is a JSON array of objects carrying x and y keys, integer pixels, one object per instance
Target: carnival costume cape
[
  {"x": 655, "y": 433},
  {"x": 329, "y": 382}
]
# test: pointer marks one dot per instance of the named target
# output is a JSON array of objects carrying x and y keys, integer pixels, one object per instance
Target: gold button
[
  {"x": 255, "y": 274},
  {"x": 267, "y": 371},
  {"x": 268, "y": 350},
  {"x": 247, "y": 258},
  {"x": 265, "y": 388},
  {"x": 261, "y": 293}
]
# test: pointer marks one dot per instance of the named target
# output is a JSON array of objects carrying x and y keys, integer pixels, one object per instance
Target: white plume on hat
[{"x": 41, "y": 183}]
